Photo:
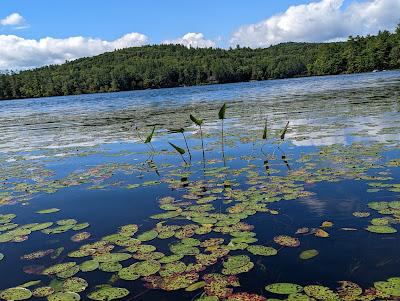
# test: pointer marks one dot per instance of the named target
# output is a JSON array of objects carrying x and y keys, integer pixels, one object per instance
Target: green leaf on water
[
  {"x": 150, "y": 136},
  {"x": 177, "y": 148},
  {"x": 198, "y": 122},
  {"x": 222, "y": 110},
  {"x": 265, "y": 130},
  {"x": 16, "y": 294},
  {"x": 107, "y": 293},
  {"x": 284, "y": 288},
  {"x": 308, "y": 254},
  {"x": 48, "y": 211},
  {"x": 284, "y": 131}
]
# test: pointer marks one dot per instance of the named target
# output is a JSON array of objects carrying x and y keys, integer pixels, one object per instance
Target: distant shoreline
[{"x": 171, "y": 66}]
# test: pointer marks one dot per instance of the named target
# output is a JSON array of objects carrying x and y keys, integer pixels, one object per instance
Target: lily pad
[
  {"x": 112, "y": 257},
  {"x": 388, "y": 287},
  {"x": 287, "y": 241},
  {"x": 42, "y": 292},
  {"x": 146, "y": 268},
  {"x": 147, "y": 236},
  {"x": 64, "y": 296},
  {"x": 262, "y": 250},
  {"x": 381, "y": 229},
  {"x": 284, "y": 288},
  {"x": 308, "y": 254},
  {"x": 129, "y": 274},
  {"x": 110, "y": 267},
  {"x": 16, "y": 293},
  {"x": 108, "y": 293},
  {"x": 58, "y": 268},
  {"x": 75, "y": 284},
  {"x": 320, "y": 292},
  {"x": 89, "y": 265},
  {"x": 48, "y": 211}
]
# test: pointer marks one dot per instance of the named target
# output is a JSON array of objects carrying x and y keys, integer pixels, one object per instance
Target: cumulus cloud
[
  {"x": 321, "y": 21},
  {"x": 20, "y": 53},
  {"x": 12, "y": 20},
  {"x": 192, "y": 39}
]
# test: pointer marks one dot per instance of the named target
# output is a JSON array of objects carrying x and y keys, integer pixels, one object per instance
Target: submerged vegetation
[
  {"x": 173, "y": 66},
  {"x": 213, "y": 226}
]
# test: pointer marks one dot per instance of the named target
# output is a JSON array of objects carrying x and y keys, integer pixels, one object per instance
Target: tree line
[{"x": 162, "y": 66}]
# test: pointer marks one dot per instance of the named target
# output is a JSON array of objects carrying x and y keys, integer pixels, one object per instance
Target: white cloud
[
  {"x": 324, "y": 20},
  {"x": 12, "y": 20},
  {"x": 20, "y": 53},
  {"x": 192, "y": 39}
]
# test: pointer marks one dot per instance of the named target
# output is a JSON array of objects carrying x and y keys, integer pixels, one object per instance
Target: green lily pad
[
  {"x": 75, "y": 285},
  {"x": 320, "y": 292},
  {"x": 68, "y": 273},
  {"x": 30, "y": 283},
  {"x": 262, "y": 250},
  {"x": 64, "y": 296},
  {"x": 110, "y": 267},
  {"x": 182, "y": 249},
  {"x": 108, "y": 293},
  {"x": 308, "y": 254},
  {"x": 382, "y": 221},
  {"x": 145, "y": 268},
  {"x": 381, "y": 229},
  {"x": 81, "y": 226},
  {"x": 89, "y": 265},
  {"x": 378, "y": 205},
  {"x": 284, "y": 288},
  {"x": 1, "y": 256},
  {"x": 16, "y": 293},
  {"x": 112, "y": 257},
  {"x": 361, "y": 214},
  {"x": 298, "y": 297},
  {"x": 42, "y": 292},
  {"x": 287, "y": 241},
  {"x": 388, "y": 287},
  {"x": 173, "y": 268},
  {"x": 148, "y": 235},
  {"x": 58, "y": 268},
  {"x": 128, "y": 274},
  {"x": 48, "y": 211},
  {"x": 195, "y": 286}
]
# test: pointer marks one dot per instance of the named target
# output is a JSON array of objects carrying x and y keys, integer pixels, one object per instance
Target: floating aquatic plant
[
  {"x": 108, "y": 293},
  {"x": 308, "y": 254},
  {"x": 284, "y": 288}
]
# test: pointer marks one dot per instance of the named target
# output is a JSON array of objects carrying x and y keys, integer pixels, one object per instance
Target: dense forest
[{"x": 161, "y": 66}]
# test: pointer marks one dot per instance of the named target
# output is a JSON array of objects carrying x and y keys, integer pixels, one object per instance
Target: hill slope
[{"x": 171, "y": 66}]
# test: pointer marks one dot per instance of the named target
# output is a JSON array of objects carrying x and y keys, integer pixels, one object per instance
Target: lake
[{"x": 93, "y": 206}]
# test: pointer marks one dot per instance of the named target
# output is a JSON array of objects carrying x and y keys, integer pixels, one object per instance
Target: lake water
[{"x": 237, "y": 219}]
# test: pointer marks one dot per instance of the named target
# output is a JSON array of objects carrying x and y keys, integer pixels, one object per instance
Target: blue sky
[
  {"x": 41, "y": 32},
  {"x": 158, "y": 19}
]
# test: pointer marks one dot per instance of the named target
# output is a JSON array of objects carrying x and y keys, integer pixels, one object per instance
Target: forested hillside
[{"x": 171, "y": 66}]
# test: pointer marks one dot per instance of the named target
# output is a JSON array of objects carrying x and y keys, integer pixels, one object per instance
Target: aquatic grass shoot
[{"x": 199, "y": 123}]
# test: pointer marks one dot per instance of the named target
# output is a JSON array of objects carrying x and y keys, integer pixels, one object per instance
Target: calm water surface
[{"x": 83, "y": 155}]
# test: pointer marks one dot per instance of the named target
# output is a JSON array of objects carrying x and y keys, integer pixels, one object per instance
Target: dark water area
[{"x": 84, "y": 155}]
